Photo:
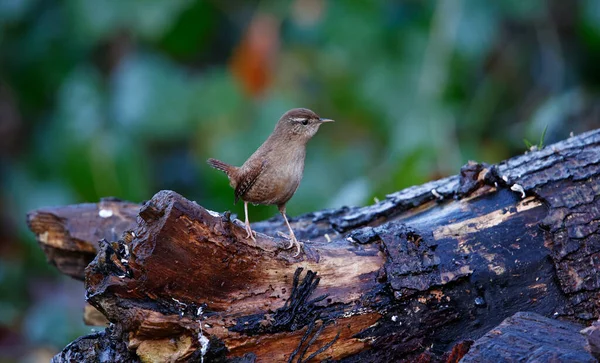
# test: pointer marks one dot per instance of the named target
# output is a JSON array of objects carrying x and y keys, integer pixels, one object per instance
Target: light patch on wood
[
  {"x": 165, "y": 350},
  {"x": 55, "y": 237},
  {"x": 486, "y": 221},
  {"x": 44, "y": 238},
  {"x": 93, "y": 317},
  {"x": 464, "y": 247},
  {"x": 497, "y": 269},
  {"x": 488, "y": 257},
  {"x": 344, "y": 270},
  {"x": 577, "y": 281},
  {"x": 448, "y": 276},
  {"x": 341, "y": 274},
  {"x": 538, "y": 287}
]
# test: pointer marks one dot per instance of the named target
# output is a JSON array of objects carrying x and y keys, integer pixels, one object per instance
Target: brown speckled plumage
[{"x": 273, "y": 173}]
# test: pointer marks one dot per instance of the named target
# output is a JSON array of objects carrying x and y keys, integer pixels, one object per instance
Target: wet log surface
[
  {"x": 530, "y": 337},
  {"x": 421, "y": 271}
]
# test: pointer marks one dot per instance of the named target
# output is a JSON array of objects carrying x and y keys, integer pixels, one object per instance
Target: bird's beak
[{"x": 322, "y": 120}]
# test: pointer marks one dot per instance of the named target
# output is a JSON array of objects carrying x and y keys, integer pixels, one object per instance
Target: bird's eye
[{"x": 304, "y": 122}]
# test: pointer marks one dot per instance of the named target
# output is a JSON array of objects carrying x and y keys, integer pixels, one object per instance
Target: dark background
[{"x": 127, "y": 97}]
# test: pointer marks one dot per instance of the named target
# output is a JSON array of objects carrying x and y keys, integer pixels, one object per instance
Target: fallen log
[{"x": 421, "y": 271}]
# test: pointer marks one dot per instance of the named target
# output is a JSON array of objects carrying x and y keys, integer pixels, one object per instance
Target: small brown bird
[{"x": 272, "y": 174}]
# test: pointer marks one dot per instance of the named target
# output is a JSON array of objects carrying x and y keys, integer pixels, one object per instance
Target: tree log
[{"x": 421, "y": 271}]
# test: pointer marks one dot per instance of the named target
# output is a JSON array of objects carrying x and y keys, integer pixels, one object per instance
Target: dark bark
[
  {"x": 426, "y": 268},
  {"x": 530, "y": 337},
  {"x": 105, "y": 346}
]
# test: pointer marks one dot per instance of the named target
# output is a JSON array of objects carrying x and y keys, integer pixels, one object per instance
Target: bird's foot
[
  {"x": 250, "y": 232},
  {"x": 293, "y": 242}
]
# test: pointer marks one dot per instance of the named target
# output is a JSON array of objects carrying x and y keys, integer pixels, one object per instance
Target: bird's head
[{"x": 300, "y": 123}]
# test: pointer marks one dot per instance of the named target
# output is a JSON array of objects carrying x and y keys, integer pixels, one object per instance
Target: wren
[{"x": 272, "y": 174}]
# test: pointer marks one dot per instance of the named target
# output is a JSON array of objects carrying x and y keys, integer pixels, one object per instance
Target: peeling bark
[{"x": 415, "y": 275}]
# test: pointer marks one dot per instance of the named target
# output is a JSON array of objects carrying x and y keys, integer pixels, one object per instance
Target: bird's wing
[{"x": 247, "y": 180}]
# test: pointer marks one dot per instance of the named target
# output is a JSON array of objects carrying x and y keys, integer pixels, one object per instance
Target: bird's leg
[
  {"x": 292, "y": 236},
  {"x": 248, "y": 229}
]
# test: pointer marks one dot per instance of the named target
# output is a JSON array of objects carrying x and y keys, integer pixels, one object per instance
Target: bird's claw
[
  {"x": 250, "y": 233},
  {"x": 298, "y": 245},
  {"x": 293, "y": 242}
]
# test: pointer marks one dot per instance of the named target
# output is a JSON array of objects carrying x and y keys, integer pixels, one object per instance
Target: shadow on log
[{"x": 414, "y": 276}]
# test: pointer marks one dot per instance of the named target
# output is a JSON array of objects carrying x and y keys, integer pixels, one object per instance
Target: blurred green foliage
[{"x": 126, "y": 97}]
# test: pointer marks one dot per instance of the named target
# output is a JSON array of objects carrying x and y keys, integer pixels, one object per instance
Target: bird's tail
[{"x": 219, "y": 165}]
